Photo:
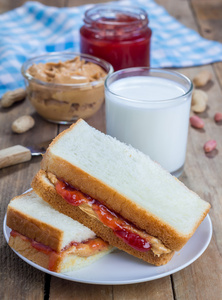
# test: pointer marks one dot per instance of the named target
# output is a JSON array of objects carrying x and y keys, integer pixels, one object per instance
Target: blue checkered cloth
[{"x": 34, "y": 29}]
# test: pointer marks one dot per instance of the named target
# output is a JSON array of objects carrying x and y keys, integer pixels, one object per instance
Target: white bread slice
[
  {"x": 50, "y": 227},
  {"x": 35, "y": 219},
  {"x": 126, "y": 181}
]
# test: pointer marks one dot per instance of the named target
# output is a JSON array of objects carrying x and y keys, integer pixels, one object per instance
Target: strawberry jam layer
[
  {"x": 88, "y": 247},
  {"x": 38, "y": 246},
  {"x": 120, "y": 226},
  {"x": 53, "y": 255},
  {"x": 84, "y": 249}
]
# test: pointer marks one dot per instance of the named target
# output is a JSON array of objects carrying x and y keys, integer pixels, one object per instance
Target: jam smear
[
  {"x": 53, "y": 255},
  {"x": 134, "y": 240},
  {"x": 109, "y": 218},
  {"x": 95, "y": 245},
  {"x": 86, "y": 248},
  {"x": 71, "y": 195},
  {"x": 38, "y": 246}
]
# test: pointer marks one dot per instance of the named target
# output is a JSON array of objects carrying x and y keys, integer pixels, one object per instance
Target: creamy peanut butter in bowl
[{"x": 64, "y": 87}]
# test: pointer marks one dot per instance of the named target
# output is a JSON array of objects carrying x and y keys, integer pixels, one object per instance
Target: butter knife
[{"x": 18, "y": 154}]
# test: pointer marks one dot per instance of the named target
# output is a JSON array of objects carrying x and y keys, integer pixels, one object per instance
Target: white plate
[{"x": 120, "y": 268}]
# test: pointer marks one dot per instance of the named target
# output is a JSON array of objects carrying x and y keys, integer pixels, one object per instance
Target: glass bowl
[{"x": 64, "y": 87}]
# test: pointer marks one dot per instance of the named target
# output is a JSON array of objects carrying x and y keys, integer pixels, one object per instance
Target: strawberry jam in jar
[{"x": 117, "y": 34}]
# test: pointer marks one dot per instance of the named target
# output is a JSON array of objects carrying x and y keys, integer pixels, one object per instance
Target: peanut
[
  {"x": 199, "y": 101},
  {"x": 11, "y": 97},
  {"x": 218, "y": 117},
  {"x": 196, "y": 122},
  {"x": 23, "y": 124},
  {"x": 202, "y": 78},
  {"x": 210, "y": 146}
]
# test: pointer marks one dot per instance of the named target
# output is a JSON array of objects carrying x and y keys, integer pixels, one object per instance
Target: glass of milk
[{"x": 149, "y": 109}]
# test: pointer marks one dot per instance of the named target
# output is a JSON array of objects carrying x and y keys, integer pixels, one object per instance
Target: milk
[{"x": 151, "y": 114}]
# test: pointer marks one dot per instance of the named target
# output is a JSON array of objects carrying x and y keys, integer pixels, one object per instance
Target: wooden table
[{"x": 203, "y": 174}]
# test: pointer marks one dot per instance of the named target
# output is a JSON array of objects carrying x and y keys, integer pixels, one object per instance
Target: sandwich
[
  {"x": 127, "y": 199},
  {"x": 50, "y": 239}
]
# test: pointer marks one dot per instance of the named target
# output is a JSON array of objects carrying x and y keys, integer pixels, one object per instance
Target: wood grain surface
[{"x": 201, "y": 280}]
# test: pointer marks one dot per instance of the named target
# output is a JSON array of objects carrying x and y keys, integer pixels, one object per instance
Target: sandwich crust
[
  {"x": 24, "y": 248},
  {"x": 45, "y": 189},
  {"x": 33, "y": 228}
]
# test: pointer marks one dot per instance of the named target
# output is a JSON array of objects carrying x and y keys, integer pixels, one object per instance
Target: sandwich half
[
  {"x": 49, "y": 238},
  {"x": 118, "y": 192}
]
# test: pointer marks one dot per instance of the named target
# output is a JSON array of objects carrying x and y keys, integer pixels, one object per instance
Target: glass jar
[
  {"x": 65, "y": 86},
  {"x": 117, "y": 34}
]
